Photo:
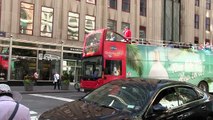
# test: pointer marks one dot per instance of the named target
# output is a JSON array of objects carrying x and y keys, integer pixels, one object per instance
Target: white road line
[
  {"x": 52, "y": 97},
  {"x": 33, "y": 115}
]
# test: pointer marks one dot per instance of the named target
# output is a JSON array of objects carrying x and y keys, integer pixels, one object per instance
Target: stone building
[{"x": 47, "y": 35}]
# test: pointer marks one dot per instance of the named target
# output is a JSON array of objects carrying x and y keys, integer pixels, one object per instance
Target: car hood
[{"x": 80, "y": 110}]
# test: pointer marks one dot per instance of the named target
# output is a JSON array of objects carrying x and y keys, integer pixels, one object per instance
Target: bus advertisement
[{"x": 111, "y": 59}]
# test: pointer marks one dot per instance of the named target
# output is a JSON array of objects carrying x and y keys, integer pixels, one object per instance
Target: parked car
[{"x": 138, "y": 99}]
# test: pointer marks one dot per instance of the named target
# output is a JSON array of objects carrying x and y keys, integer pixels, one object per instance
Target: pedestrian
[
  {"x": 127, "y": 33},
  {"x": 35, "y": 76},
  {"x": 10, "y": 108},
  {"x": 56, "y": 80}
]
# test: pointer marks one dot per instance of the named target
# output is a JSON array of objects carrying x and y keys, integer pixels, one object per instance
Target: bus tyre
[
  {"x": 203, "y": 86},
  {"x": 77, "y": 86}
]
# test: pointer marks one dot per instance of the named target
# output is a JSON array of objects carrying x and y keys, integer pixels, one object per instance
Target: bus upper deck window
[{"x": 113, "y": 36}]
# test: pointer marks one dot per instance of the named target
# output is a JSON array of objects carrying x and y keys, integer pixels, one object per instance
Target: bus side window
[
  {"x": 116, "y": 70},
  {"x": 113, "y": 67}
]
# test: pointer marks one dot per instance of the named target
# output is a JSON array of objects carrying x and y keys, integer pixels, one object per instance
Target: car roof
[{"x": 151, "y": 84}]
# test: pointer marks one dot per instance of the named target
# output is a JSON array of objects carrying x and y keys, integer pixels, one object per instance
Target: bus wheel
[{"x": 203, "y": 86}]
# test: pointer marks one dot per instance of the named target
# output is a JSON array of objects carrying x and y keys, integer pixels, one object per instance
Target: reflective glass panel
[
  {"x": 73, "y": 26},
  {"x": 89, "y": 24},
  {"x": 46, "y": 22},
  {"x": 26, "y": 18}
]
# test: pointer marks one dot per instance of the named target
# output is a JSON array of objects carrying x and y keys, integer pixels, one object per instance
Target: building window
[
  {"x": 196, "y": 21},
  {"x": 196, "y": 41},
  {"x": 197, "y": 2},
  {"x": 26, "y": 18},
  {"x": 91, "y": 1},
  {"x": 208, "y": 23},
  {"x": 172, "y": 23},
  {"x": 143, "y": 7},
  {"x": 124, "y": 25},
  {"x": 89, "y": 24},
  {"x": 112, "y": 25},
  {"x": 73, "y": 26},
  {"x": 208, "y": 4},
  {"x": 112, "y": 4},
  {"x": 142, "y": 32},
  {"x": 46, "y": 22},
  {"x": 126, "y": 5}
]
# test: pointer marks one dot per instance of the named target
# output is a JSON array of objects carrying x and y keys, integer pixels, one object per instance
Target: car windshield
[{"x": 123, "y": 96}]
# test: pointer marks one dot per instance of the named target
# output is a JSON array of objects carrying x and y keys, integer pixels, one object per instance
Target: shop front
[{"x": 26, "y": 58}]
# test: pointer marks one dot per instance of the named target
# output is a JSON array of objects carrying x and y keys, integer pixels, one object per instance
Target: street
[{"x": 39, "y": 103}]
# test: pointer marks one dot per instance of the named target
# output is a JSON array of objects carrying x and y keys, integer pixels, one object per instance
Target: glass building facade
[{"x": 46, "y": 59}]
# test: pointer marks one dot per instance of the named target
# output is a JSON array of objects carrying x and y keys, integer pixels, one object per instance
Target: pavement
[{"x": 42, "y": 89}]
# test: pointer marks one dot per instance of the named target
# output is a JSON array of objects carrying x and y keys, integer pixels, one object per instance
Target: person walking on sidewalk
[
  {"x": 56, "y": 80},
  {"x": 35, "y": 76},
  {"x": 10, "y": 108}
]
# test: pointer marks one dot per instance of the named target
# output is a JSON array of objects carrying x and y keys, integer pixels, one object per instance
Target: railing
[{"x": 163, "y": 43}]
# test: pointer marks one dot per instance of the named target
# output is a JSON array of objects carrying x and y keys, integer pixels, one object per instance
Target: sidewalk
[{"x": 42, "y": 89}]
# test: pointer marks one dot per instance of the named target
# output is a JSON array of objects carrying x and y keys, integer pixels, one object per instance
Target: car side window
[
  {"x": 167, "y": 98},
  {"x": 186, "y": 94},
  {"x": 200, "y": 93}
]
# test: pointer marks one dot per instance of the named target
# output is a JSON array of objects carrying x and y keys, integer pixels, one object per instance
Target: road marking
[
  {"x": 33, "y": 115},
  {"x": 52, "y": 97}
]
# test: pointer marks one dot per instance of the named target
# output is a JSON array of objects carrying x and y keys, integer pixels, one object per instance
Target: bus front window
[{"x": 92, "y": 68}]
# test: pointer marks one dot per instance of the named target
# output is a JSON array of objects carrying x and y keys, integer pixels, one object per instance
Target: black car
[{"x": 138, "y": 99}]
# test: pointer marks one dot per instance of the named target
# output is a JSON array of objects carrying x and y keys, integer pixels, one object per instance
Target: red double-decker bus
[
  {"x": 104, "y": 58},
  {"x": 108, "y": 56}
]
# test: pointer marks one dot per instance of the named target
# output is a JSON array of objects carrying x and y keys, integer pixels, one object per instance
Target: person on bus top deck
[{"x": 127, "y": 33}]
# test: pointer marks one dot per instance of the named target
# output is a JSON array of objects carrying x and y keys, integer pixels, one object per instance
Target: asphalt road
[{"x": 39, "y": 103}]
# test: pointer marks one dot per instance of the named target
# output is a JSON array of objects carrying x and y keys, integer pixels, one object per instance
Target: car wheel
[{"x": 203, "y": 86}]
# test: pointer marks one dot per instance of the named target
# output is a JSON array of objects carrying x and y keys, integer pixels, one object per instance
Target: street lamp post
[
  {"x": 61, "y": 64},
  {"x": 10, "y": 58}
]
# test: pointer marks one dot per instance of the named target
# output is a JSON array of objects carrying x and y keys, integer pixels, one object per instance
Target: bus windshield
[
  {"x": 92, "y": 67},
  {"x": 92, "y": 43}
]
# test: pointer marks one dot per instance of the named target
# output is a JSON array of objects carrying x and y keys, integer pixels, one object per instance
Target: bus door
[{"x": 113, "y": 70}]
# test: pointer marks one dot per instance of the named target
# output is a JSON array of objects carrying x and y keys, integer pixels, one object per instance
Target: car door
[
  {"x": 177, "y": 103},
  {"x": 164, "y": 105},
  {"x": 191, "y": 105}
]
